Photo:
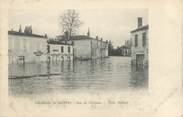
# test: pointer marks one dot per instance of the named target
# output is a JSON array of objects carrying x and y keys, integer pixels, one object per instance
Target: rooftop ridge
[
  {"x": 78, "y": 37},
  {"x": 25, "y": 34},
  {"x": 140, "y": 28},
  {"x": 57, "y": 42}
]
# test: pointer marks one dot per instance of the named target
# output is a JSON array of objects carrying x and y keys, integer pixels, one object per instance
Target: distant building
[
  {"x": 26, "y": 46},
  {"x": 59, "y": 50},
  {"x": 128, "y": 43},
  {"x": 125, "y": 51},
  {"x": 86, "y": 47},
  {"x": 27, "y": 30},
  {"x": 139, "y": 39}
]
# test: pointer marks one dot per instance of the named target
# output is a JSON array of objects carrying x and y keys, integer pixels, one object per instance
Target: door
[{"x": 139, "y": 61}]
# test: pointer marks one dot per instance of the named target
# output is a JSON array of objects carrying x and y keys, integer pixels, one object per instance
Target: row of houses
[{"x": 25, "y": 46}]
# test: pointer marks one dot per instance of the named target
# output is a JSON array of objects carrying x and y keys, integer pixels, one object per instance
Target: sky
[{"x": 113, "y": 25}]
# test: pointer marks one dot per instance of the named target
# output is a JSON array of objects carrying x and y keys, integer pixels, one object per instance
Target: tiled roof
[
  {"x": 24, "y": 34},
  {"x": 141, "y": 28}
]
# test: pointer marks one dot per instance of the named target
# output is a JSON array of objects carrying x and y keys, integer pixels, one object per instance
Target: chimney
[
  {"x": 20, "y": 29},
  {"x": 66, "y": 36},
  {"x": 88, "y": 33},
  {"x": 140, "y": 22},
  {"x": 46, "y": 36},
  {"x": 30, "y": 29}
]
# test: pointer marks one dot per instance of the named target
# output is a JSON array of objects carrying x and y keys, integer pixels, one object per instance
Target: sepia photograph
[
  {"x": 77, "y": 51},
  {"x": 91, "y": 58}
]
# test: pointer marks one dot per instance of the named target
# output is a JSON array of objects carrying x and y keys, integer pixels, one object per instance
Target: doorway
[{"x": 139, "y": 61}]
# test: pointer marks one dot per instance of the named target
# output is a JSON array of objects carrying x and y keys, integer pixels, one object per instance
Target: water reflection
[{"x": 114, "y": 73}]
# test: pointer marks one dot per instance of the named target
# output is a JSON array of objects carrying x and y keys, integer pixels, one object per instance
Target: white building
[
  {"x": 139, "y": 38},
  {"x": 89, "y": 48},
  {"x": 125, "y": 51},
  {"x": 86, "y": 47},
  {"x": 60, "y": 51},
  {"x": 26, "y": 47}
]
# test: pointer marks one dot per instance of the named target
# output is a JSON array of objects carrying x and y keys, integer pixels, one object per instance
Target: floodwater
[{"x": 108, "y": 74}]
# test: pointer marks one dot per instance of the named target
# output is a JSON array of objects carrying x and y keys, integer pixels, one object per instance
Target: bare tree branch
[{"x": 70, "y": 21}]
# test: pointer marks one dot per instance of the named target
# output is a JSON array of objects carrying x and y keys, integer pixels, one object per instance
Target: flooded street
[{"x": 113, "y": 73}]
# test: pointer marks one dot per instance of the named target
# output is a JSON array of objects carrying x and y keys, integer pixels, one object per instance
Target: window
[
  {"x": 21, "y": 58},
  {"x": 136, "y": 40},
  {"x": 143, "y": 39},
  {"x": 62, "y": 49},
  {"x": 55, "y": 50},
  {"x": 69, "y": 49}
]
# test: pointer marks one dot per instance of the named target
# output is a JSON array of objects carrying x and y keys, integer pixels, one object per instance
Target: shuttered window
[{"x": 136, "y": 40}]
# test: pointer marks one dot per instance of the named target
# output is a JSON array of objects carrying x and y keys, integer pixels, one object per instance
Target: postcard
[{"x": 91, "y": 58}]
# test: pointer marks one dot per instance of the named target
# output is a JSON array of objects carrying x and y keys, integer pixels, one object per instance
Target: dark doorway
[{"x": 139, "y": 62}]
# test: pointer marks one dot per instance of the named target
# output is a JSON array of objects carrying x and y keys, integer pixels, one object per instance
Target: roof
[
  {"x": 75, "y": 37},
  {"x": 81, "y": 37},
  {"x": 24, "y": 34},
  {"x": 58, "y": 42},
  {"x": 141, "y": 28},
  {"x": 78, "y": 37}
]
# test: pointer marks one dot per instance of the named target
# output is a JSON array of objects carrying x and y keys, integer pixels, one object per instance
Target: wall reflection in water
[{"x": 114, "y": 73}]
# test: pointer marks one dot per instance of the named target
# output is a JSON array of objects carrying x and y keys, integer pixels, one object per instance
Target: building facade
[
  {"x": 26, "y": 47},
  {"x": 125, "y": 51},
  {"x": 87, "y": 48},
  {"x": 60, "y": 51},
  {"x": 126, "y": 48},
  {"x": 139, "y": 39}
]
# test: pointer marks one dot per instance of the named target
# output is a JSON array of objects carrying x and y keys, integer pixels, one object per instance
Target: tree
[{"x": 70, "y": 22}]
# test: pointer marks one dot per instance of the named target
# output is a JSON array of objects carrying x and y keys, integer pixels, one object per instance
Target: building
[
  {"x": 86, "y": 47},
  {"x": 125, "y": 51},
  {"x": 139, "y": 39},
  {"x": 26, "y": 46},
  {"x": 89, "y": 48},
  {"x": 128, "y": 43},
  {"x": 58, "y": 50}
]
